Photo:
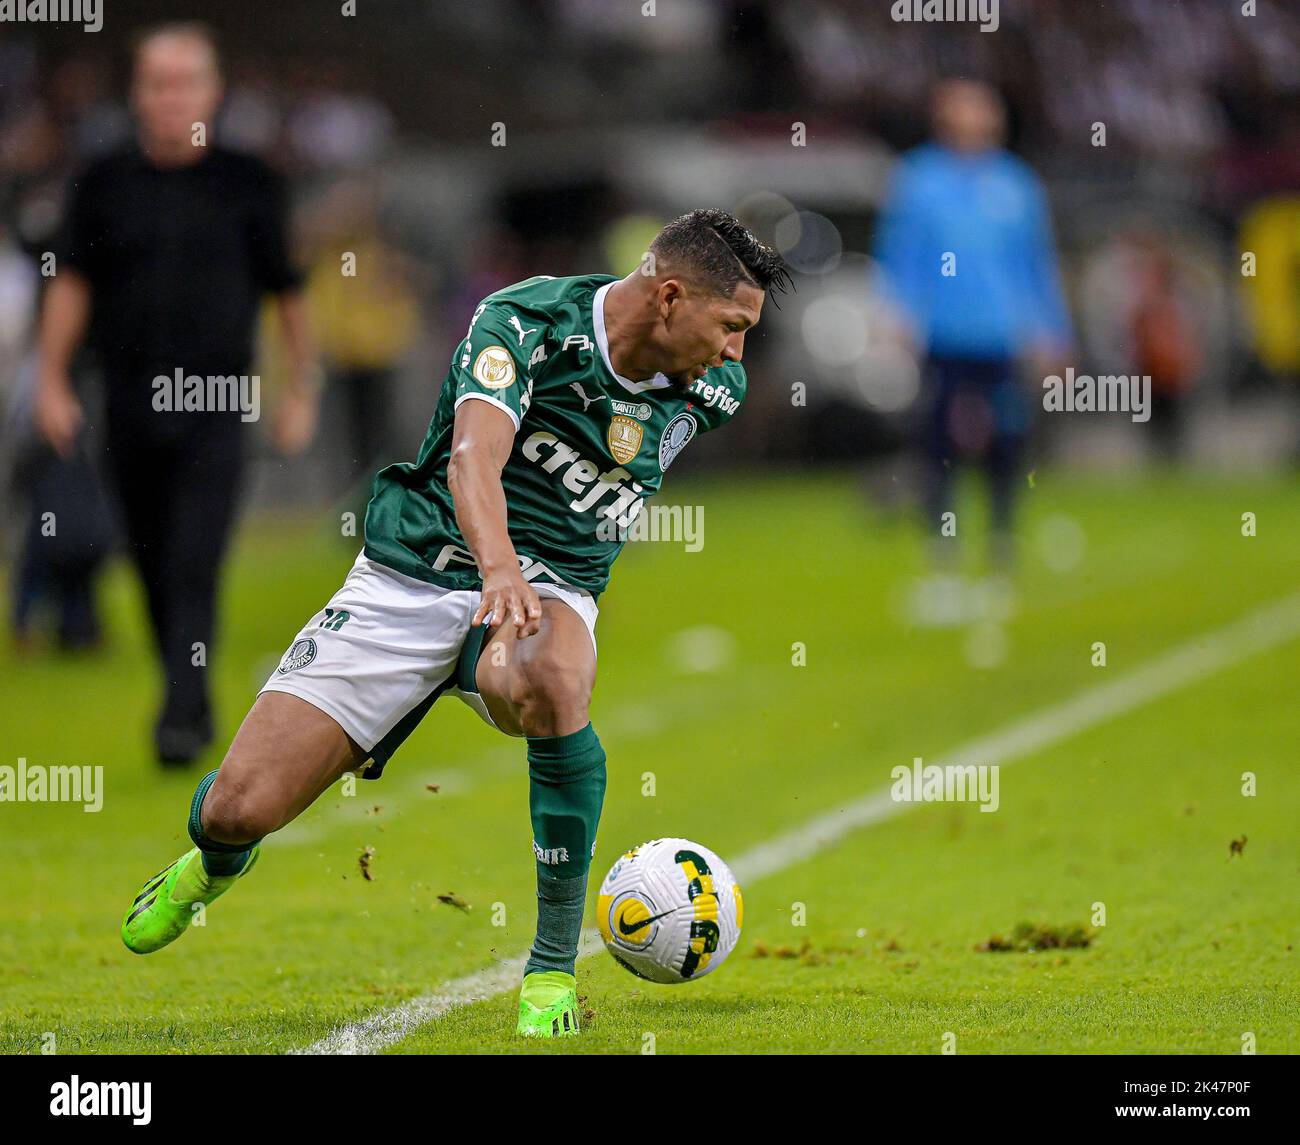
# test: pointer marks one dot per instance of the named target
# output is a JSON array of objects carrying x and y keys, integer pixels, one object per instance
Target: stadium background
[{"x": 615, "y": 123}]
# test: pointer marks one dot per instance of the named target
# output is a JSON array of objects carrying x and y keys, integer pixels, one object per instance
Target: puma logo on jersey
[
  {"x": 586, "y": 401},
  {"x": 519, "y": 327}
]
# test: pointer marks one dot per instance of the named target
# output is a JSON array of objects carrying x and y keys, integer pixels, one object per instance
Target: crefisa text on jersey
[{"x": 715, "y": 395}]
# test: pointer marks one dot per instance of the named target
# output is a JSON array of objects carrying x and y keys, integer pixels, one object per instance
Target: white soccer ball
[{"x": 670, "y": 911}]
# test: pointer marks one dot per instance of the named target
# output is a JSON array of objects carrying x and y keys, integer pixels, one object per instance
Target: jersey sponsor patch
[
  {"x": 716, "y": 395},
  {"x": 584, "y": 478},
  {"x": 624, "y": 438},
  {"x": 494, "y": 368},
  {"x": 677, "y": 434},
  {"x": 639, "y": 410}
]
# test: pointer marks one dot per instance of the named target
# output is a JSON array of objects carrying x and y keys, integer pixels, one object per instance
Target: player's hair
[
  {"x": 193, "y": 29},
  {"x": 718, "y": 250}
]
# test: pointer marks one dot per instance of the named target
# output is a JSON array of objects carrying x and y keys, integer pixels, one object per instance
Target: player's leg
[
  {"x": 541, "y": 688},
  {"x": 284, "y": 755},
  {"x": 361, "y": 670}
]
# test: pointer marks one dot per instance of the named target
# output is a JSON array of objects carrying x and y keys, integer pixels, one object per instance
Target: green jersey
[{"x": 590, "y": 447}]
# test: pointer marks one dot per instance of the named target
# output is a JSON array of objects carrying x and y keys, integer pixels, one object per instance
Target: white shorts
[{"x": 386, "y": 647}]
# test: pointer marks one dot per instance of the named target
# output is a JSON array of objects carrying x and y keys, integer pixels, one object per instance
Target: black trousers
[{"x": 178, "y": 485}]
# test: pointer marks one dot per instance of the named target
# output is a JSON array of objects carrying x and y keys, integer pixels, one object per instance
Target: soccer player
[{"x": 564, "y": 405}]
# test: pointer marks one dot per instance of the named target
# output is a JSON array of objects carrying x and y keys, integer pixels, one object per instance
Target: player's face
[
  {"x": 708, "y": 329},
  {"x": 176, "y": 86}
]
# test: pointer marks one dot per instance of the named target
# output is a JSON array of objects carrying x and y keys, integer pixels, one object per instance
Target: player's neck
[{"x": 626, "y": 327}]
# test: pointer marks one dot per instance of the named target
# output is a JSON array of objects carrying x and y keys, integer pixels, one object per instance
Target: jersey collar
[{"x": 658, "y": 382}]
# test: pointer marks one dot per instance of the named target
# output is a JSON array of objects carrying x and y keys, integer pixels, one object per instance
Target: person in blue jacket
[{"x": 965, "y": 247}]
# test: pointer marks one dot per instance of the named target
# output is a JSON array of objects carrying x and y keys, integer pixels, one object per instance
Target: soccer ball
[{"x": 670, "y": 911}]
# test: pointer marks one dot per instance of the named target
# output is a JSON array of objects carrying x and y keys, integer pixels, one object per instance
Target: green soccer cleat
[
  {"x": 548, "y": 1005},
  {"x": 164, "y": 908}
]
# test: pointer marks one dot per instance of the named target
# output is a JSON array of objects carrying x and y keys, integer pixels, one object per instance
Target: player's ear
[{"x": 669, "y": 296}]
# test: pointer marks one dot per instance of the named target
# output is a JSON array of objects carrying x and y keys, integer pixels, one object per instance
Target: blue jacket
[{"x": 989, "y": 210}]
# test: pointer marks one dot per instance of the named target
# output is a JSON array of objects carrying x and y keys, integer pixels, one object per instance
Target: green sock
[
  {"x": 565, "y": 793},
  {"x": 218, "y": 858}
]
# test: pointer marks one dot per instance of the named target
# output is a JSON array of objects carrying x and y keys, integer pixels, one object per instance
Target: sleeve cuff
[{"x": 514, "y": 417}]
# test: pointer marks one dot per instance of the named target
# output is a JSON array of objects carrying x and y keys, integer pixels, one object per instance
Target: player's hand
[
  {"x": 295, "y": 420},
  {"x": 58, "y": 415},
  {"x": 510, "y": 600}
]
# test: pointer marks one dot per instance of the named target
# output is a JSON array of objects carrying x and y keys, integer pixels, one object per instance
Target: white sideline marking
[
  {"x": 1260, "y": 630},
  {"x": 1202, "y": 655},
  {"x": 388, "y": 1027}
]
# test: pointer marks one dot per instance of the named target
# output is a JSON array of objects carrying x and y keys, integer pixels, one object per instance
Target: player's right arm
[
  {"x": 481, "y": 441},
  {"x": 490, "y": 368}
]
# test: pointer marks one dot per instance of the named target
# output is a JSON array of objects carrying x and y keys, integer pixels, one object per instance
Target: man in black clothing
[{"x": 170, "y": 246}]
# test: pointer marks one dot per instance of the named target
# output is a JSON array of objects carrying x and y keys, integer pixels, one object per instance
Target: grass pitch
[{"x": 699, "y": 694}]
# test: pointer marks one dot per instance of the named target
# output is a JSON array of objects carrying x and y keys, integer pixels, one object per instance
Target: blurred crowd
[
  {"x": 1198, "y": 101},
  {"x": 619, "y": 117},
  {"x": 1178, "y": 80}
]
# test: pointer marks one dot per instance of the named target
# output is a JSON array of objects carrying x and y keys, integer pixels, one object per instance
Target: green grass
[{"x": 1136, "y": 813}]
